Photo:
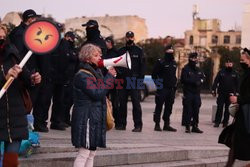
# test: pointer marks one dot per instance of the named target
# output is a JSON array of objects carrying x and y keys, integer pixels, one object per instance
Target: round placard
[{"x": 41, "y": 37}]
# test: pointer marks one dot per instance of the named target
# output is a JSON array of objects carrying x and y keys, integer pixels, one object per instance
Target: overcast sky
[{"x": 163, "y": 17}]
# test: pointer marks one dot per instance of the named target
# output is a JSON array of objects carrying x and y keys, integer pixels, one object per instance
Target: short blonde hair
[{"x": 87, "y": 51}]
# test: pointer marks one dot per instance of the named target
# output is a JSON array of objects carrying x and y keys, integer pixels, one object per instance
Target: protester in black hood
[
  {"x": 226, "y": 83},
  {"x": 165, "y": 70},
  {"x": 16, "y": 37},
  {"x": 94, "y": 35}
]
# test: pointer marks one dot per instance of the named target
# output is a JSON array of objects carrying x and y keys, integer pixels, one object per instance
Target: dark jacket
[
  {"x": 63, "y": 62},
  {"x": 165, "y": 69},
  {"x": 244, "y": 97},
  {"x": 226, "y": 81},
  {"x": 89, "y": 111},
  {"x": 13, "y": 121},
  {"x": 94, "y": 37},
  {"x": 241, "y": 137},
  {"x": 111, "y": 53},
  {"x": 192, "y": 79},
  {"x": 17, "y": 38},
  {"x": 137, "y": 63}
]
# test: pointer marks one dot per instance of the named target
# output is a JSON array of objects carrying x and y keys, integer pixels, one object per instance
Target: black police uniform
[
  {"x": 62, "y": 61},
  {"x": 94, "y": 37},
  {"x": 33, "y": 65},
  {"x": 41, "y": 107},
  {"x": 136, "y": 72},
  {"x": 56, "y": 76},
  {"x": 191, "y": 79},
  {"x": 72, "y": 69},
  {"x": 227, "y": 82},
  {"x": 165, "y": 69}
]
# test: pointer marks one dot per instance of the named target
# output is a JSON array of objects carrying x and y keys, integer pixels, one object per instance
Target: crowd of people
[{"x": 60, "y": 79}]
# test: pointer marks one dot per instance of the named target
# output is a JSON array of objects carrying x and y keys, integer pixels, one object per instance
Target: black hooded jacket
[
  {"x": 13, "y": 121},
  {"x": 17, "y": 38},
  {"x": 94, "y": 37}
]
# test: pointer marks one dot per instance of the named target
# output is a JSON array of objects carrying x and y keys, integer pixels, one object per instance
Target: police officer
[
  {"x": 72, "y": 68},
  {"x": 191, "y": 79},
  {"x": 16, "y": 37},
  {"x": 165, "y": 69},
  {"x": 94, "y": 35},
  {"x": 131, "y": 78},
  {"x": 111, "y": 50},
  {"x": 61, "y": 61},
  {"x": 226, "y": 83},
  {"x": 41, "y": 107},
  {"x": 55, "y": 77}
]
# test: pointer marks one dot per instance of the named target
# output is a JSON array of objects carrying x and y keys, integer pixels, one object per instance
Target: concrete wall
[{"x": 113, "y": 25}]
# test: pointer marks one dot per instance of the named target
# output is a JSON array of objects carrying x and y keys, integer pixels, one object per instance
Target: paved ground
[
  {"x": 149, "y": 137},
  {"x": 125, "y": 147}
]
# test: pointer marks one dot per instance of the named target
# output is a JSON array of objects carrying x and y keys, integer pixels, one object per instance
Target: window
[
  {"x": 226, "y": 39},
  {"x": 191, "y": 40},
  {"x": 214, "y": 39},
  {"x": 238, "y": 39}
]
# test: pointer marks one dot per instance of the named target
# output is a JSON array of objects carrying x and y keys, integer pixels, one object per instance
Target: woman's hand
[
  {"x": 35, "y": 78},
  {"x": 112, "y": 71},
  {"x": 13, "y": 72},
  {"x": 233, "y": 99}
]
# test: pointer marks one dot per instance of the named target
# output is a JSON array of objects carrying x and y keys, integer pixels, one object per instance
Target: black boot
[
  {"x": 137, "y": 129},
  {"x": 157, "y": 127},
  {"x": 216, "y": 125},
  {"x": 195, "y": 129},
  {"x": 40, "y": 128},
  {"x": 167, "y": 127},
  {"x": 187, "y": 130}
]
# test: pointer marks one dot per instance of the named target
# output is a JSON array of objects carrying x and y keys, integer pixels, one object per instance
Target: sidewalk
[{"x": 146, "y": 148}]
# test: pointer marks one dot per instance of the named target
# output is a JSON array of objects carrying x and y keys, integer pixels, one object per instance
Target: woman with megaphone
[{"x": 89, "y": 111}]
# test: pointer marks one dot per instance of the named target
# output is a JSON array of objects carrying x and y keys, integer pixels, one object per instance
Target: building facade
[
  {"x": 246, "y": 27},
  {"x": 206, "y": 33}
]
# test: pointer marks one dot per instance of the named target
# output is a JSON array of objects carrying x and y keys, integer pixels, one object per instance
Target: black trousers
[
  {"x": 191, "y": 108},
  {"x": 57, "y": 104},
  {"x": 137, "y": 112},
  {"x": 222, "y": 100},
  {"x": 41, "y": 107},
  {"x": 67, "y": 101},
  {"x": 34, "y": 94},
  {"x": 114, "y": 95},
  {"x": 48, "y": 91},
  {"x": 164, "y": 96}
]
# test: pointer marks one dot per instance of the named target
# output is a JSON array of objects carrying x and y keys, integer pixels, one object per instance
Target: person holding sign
[
  {"x": 13, "y": 121},
  {"x": 16, "y": 37}
]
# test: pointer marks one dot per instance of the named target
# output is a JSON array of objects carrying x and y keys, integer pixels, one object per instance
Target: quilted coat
[{"x": 89, "y": 111}]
